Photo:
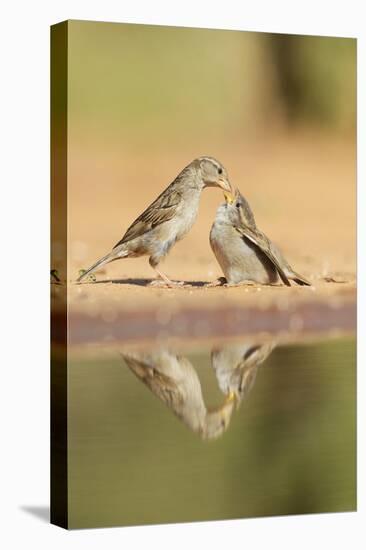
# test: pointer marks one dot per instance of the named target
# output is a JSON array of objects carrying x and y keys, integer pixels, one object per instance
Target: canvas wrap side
[{"x": 59, "y": 470}]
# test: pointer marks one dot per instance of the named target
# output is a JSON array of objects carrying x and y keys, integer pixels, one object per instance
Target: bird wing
[
  {"x": 247, "y": 213},
  {"x": 264, "y": 244},
  {"x": 162, "y": 385},
  {"x": 160, "y": 211}
]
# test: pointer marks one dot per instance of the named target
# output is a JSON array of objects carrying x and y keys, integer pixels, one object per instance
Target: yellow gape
[{"x": 229, "y": 198}]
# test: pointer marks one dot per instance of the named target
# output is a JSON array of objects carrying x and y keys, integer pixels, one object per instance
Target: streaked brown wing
[
  {"x": 161, "y": 210},
  {"x": 163, "y": 386},
  {"x": 247, "y": 213},
  {"x": 264, "y": 244}
]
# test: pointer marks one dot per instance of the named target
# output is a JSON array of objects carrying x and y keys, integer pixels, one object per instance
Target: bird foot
[
  {"x": 242, "y": 283},
  {"x": 158, "y": 283},
  {"x": 221, "y": 281}
]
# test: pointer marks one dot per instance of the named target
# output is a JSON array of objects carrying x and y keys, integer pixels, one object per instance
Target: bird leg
[{"x": 166, "y": 281}]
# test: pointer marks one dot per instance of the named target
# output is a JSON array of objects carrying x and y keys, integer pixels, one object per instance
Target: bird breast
[
  {"x": 186, "y": 215},
  {"x": 239, "y": 259}
]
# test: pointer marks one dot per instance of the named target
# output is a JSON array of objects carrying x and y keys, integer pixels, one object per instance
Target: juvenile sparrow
[
  {"x": 243, "y": 251},
  {"x": 169, "y": 218},
  {"x": 174, "y": 380}
]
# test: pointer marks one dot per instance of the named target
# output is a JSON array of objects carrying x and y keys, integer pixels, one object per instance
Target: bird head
[
  {"x": 213, "y": 174},
  {"x": 235, "y": 210},
  {"x": 236, "y": 366}
]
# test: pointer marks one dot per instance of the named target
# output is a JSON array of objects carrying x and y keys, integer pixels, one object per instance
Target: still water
[{"x": 218, "y": 431}]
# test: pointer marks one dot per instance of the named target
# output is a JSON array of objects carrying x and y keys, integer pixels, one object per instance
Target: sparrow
[
  {"x": 174, "y": 380},
  {"x": 169, "y": 218},
  {"x": 243, "y": 251}
]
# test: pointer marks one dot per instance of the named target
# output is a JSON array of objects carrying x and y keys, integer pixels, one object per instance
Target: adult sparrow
[{"x": 169, "y": 218}]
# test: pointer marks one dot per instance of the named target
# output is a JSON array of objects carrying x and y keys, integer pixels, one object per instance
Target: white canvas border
[{"x": 25, "y": 219}]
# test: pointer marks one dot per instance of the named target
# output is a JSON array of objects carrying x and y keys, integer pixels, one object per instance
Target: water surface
[{"x": 239, "y": 430}]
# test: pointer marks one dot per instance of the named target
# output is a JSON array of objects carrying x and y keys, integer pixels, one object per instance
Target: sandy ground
[{"x": 302, "y": 190}]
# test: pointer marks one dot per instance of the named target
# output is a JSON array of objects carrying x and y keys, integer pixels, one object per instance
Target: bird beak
[
  {"x": 228, "y": 198},
  {"x": 227, "y": 189},
  {"x": 227, "y": 408},
  {"x": 230, "y": 398}
]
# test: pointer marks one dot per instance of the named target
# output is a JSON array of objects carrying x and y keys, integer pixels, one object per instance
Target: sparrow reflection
[
  {"x": 174, "y": 380},
  {"x": 236, "y": 367}
]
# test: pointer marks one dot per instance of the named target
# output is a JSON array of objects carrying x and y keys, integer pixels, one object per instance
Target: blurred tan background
[{"x": 279, "y": 111}]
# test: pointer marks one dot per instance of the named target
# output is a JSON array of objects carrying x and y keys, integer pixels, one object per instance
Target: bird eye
[
  {"x": 219, "y": 170},
  {"x": 237, "y": 205}
]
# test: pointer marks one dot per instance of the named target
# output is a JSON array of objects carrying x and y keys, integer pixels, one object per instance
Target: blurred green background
[
  {"x": 138, "y": 82},
  {"x": 289, "y": 449}
]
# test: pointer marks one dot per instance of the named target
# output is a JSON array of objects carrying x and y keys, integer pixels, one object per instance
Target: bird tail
[
  {"x": 105, "y": 260},
  {"x": 299, "y": 279}
]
